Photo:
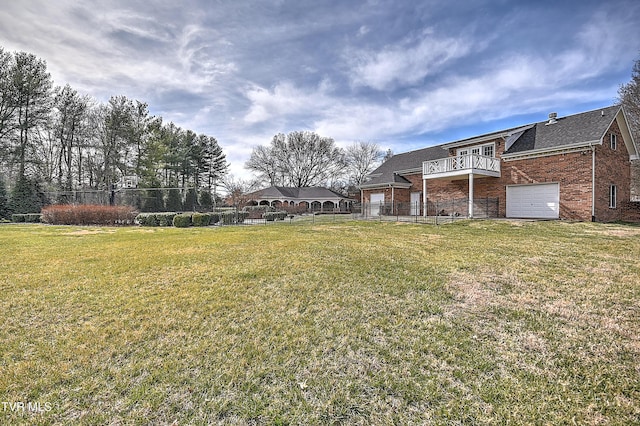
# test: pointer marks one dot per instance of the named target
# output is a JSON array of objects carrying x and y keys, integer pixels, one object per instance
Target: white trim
[
  {"x": 479, "y": 139},
  {"x": 627, "y": 136},
  {"x": 386, "y": 185},
  {"x": 546, "y": 152},
  {"x": 469, "y": 150}
]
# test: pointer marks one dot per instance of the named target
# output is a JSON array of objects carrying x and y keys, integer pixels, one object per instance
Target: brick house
[{"x": 576, "y": 167}]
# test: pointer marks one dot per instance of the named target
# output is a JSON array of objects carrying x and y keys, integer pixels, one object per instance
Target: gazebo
[{"x": 312, "y": 198}]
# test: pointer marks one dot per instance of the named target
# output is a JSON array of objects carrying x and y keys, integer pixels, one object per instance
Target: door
[
  {"x": 415, "y": 203},
  {"x": 536, "y": 201},
  {"x": 375, "y": 202}
]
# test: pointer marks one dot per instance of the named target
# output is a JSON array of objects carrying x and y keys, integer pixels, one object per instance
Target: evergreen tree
[
  {"x": 174, "y": 200},
  {"x": 206, "y": 200},
  {"x": 26, "y": 197},
  {"x": 191, "y": 200},
  {"x": 153, "y": 200}
]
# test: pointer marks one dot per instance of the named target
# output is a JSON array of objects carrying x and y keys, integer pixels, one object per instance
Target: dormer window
[{"x": 613, "y": 141}]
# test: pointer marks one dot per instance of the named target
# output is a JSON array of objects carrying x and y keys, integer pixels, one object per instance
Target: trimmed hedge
[
  {"x": 232, "y": 217},
  {"x": 182, "y": 220},
  {"x": 272, "y": 216},
  {"x": 200, "y": 219},
  {"x": 27, "y": 217},
  {"x": 166, "y": 218},
  {"x": 80, "y": 214},
  {"x": 147, "y": 219}
]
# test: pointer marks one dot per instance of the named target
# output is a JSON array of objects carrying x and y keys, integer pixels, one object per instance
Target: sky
[{"x": 403, "y": 74}]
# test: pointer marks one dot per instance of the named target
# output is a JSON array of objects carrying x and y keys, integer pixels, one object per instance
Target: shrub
[
  {"x": 18, "y": 218},
  {"x": 228, "y": 217},
  {"x": 271, "y": 216},
  {"x": 33, "y": 217},
  {"x": 182, "y": 220},
  {"x": 257, "y": 212},
  {"x": 242, "y": 216},
  {"x": 165, "y": 219},
  {"x": 77, "y": 214},
  {"x": 200, "y": 219},
  {"x": 147, "y": 219},
  {"x": 214, "y": 218}
]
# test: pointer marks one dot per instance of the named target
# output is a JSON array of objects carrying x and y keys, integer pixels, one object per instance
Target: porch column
[
  {"x": 470, "y": 195},
  {"x": 392, "y": 200},
  {"x": 424, "y": 197}
]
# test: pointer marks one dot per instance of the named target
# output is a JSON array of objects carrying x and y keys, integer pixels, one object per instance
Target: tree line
[{"x": 56, "y": 142}]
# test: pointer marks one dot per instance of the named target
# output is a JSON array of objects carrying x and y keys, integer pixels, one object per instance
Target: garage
[
  {"x": 536, "y": 201},
  {"x": 376, "y": 201}
]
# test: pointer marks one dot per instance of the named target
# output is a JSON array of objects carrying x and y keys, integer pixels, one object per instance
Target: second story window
[
  {"x": 613, "y": 141},
  {"x": 487, "y": 150}
]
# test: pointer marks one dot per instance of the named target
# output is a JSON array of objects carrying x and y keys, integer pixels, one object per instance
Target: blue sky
[{"x": 403, "y": 74}]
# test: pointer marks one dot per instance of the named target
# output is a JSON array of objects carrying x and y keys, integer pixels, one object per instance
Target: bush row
[
  {"x": 78, "y": 214},
  {"x": 28, "y": 217},
  {"x": 184, "y": 220},
  {"x": 155, "y": 219},
  {"x": 271, "y": 216}
]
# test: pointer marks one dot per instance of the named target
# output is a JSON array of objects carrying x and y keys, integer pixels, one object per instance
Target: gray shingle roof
[
  {"x": 387, "y": 172},
  {"x": 573, "y": 129},
  {"x": 285, "y": 192}
]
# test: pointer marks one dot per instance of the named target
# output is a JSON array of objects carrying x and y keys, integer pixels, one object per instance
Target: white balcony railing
[{"x": 469, "y": 163}]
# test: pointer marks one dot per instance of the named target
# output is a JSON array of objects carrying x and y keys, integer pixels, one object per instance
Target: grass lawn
[{"x": 338, "y": 322}]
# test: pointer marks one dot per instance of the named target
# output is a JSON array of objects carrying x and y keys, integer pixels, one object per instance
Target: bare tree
[
  {"x": 237, "y": 189},
  {"x": 264, "y": 162},
  {"x": 629, "y": 97},
  {"x": 361, "y": 159},
  {"x": 299, "y": 159}
]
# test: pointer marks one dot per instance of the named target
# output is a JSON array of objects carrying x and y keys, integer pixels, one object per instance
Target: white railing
[{"x": 461, "y": 162}]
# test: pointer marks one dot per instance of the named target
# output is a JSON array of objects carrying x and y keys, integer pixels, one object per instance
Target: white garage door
[
  {"x": 534, "y": 201},
  {"x": 376, "y": 201}
]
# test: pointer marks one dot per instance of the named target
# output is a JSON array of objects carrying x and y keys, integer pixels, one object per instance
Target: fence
[
  {"x": 143, "y": 199},
  {"x": 433, "y": 211},
  {"x": 158, "y": 200}
]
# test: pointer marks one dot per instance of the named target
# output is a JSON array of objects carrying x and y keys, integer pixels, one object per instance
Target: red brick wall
[{"x": 612, "y": 168}]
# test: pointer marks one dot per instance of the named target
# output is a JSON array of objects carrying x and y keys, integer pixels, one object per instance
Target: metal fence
[{"x": 433, "y": 211}]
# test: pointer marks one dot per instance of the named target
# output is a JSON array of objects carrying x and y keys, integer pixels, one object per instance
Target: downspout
[{"x": 593, "y": 183}]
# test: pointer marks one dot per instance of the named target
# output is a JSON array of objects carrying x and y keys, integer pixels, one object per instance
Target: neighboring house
[
  {"x": 309, "y": 198},
  {"x": 575, "y": 167}
]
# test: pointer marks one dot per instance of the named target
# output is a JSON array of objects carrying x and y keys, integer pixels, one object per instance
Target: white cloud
[
  {"x": 285, "y": 99},
  {"x": 406, "y": 63}
]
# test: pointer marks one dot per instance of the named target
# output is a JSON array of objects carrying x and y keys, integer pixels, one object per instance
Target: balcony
[{"x": 461, "y": 166}]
